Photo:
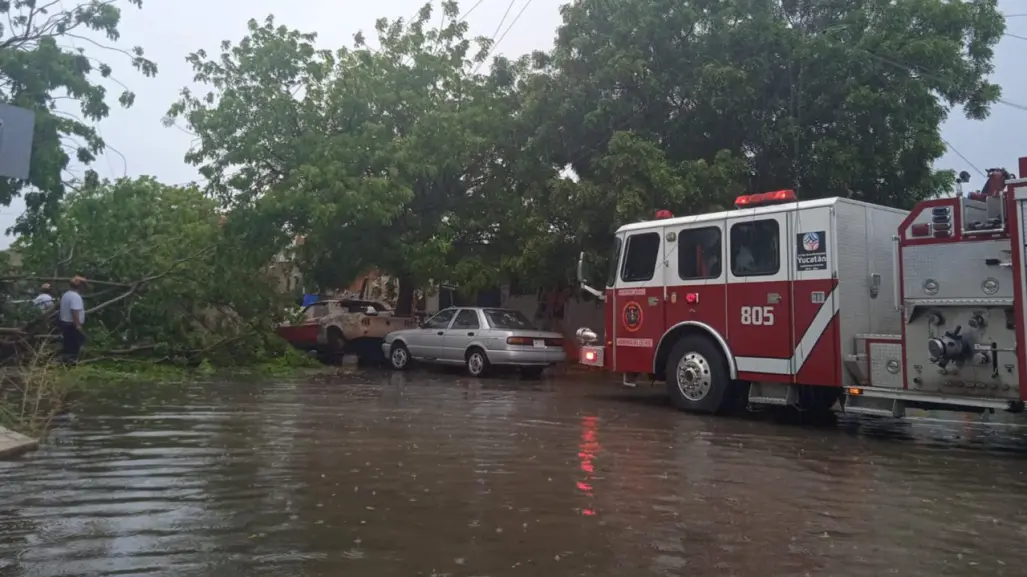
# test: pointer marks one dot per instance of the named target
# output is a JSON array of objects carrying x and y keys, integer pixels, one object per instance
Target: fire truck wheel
[
  {"x": 477, "y": 362},
  {"x": 399, "y": 356},
  {"x": 697, "y": 376}
]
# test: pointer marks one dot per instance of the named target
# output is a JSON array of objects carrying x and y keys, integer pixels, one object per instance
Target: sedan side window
[
  {"x": 466, "y": 319},
  {"x": 441, "y": 320}
]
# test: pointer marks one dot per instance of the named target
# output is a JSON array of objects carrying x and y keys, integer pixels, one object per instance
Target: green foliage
[
  {"x": 399, "y": 156},
  {"x": 844, "y": 98},
  {"x": 404, "y": 157},
  {"x": 167, "y": 280},
  {"x": 44, "y": 59}
]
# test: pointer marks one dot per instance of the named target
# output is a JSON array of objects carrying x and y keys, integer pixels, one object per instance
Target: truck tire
[
  {"x": 697, "y": 376},
  {"x": 399, "y": 356},
  {"x": 336, "y": 346}
]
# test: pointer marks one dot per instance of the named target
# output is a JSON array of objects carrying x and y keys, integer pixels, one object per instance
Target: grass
[
  {"x": 33, "y": 393},
  {"x": 36, "y": 390}
]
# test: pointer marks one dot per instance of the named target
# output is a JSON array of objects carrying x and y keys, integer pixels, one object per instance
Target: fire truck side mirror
[{"x": 582, "y": 278}]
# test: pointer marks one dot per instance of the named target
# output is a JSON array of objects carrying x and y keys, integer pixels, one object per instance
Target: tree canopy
[
  {"x": 407, "y": 157},
  {"x": 51, "y": 55}
]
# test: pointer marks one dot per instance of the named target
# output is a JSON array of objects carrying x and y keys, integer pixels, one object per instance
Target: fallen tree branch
[{"x": 61, "y": 279}]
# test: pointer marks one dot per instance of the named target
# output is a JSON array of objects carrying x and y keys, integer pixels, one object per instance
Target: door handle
[
  {"x": 439, "y": 333},
  {"x": 470, "y": 334}
]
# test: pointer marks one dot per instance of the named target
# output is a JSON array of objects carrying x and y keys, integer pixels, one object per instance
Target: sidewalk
[{"x": 15, "y": 444}]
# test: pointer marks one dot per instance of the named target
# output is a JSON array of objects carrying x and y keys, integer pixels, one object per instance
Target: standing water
[{"x": 405, "y": 475}]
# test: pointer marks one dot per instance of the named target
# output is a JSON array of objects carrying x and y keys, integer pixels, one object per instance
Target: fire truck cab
[{"x": 809, "y": 303}]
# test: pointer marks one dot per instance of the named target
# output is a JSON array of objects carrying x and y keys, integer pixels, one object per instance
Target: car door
[
  {"x": 426, "y": 342},
  {"x": 459, "y": 335}
]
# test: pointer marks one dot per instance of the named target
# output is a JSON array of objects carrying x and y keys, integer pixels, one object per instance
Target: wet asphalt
[{"x": 368, "y": 472}]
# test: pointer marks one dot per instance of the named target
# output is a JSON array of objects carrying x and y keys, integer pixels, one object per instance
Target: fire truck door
[
  {"x": 759, "y": 307},
  {"x": 638, "y": 301},
  {"x": 695, "y": 273}
]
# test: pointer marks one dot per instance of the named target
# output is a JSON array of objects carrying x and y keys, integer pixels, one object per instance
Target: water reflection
[{"x": 407, "y": 474}]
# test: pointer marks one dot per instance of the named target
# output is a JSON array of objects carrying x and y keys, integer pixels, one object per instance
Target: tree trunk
[{"x": 405, "y": 300}]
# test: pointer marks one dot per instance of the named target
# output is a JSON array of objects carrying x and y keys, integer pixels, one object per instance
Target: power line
[
  {"x": 516, "y": 18},
  {"x": 965, "y": 159},
  {"x": 503, "y": 19},
  {"x": 471, "y": 9},
  {"x": 935, "y": 77},
  {"x": 497, "y": 41}
]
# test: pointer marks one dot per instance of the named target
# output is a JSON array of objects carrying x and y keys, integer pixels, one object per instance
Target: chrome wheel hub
[
  {"x": 399, "y": 357},
  {"x": 475, "y": 364},
  {"x": 694, "y": 378}
]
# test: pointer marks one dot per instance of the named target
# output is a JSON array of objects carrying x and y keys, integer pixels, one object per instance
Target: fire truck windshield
[{"x": 611, "y": 267}]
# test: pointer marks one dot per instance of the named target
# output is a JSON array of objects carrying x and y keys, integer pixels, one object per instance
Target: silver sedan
[{"x": 478, "y": 338}]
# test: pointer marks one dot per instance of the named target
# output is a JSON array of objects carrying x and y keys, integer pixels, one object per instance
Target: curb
[{"x": 15, "y": 444}]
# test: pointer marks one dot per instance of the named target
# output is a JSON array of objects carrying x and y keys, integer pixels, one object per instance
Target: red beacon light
[
  {"x": 920, "y": 230},
  {"x": 765, "y": 198},
  {"x": 664, "y": 214}
]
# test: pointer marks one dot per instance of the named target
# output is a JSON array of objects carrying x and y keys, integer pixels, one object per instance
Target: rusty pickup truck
[{"x": 338, "y": 327}]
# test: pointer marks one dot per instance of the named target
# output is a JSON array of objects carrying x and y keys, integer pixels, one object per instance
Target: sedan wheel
[
  {"x": 399, "y": 356},
  {"x": 477, "y": 363}
]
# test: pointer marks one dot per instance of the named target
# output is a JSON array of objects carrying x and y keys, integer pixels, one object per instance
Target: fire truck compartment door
[{"x": 759, "y": 295}]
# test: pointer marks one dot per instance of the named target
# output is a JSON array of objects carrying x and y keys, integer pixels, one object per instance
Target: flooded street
[{"x": 383, "y": 474}]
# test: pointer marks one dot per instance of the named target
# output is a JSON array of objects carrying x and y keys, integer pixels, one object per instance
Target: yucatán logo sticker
[
  {"x": 631, "y": 316},
  {"x": 811, "y": 251}
]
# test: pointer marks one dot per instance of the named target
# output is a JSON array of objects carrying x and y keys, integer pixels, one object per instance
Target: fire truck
[{"x": 823, "y": 303}]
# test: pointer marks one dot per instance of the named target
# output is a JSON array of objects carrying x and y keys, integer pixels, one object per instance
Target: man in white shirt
[
  {"x": 44, "y": 300},
  {"x": 71, "y": 317}
]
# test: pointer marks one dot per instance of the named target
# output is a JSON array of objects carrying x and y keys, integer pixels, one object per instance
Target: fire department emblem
[
  {"x": 811, "y": 241},
  {"x": 632, "y": 316}
]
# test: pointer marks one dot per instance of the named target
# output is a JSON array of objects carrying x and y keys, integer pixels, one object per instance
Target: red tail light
[{"x": 524, "y": 341}]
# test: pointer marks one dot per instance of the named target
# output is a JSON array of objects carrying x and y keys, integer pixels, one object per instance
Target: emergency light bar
[{"x": 765, "y": 198}]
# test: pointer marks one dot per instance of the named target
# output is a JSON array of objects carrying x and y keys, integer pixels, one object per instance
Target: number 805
[{"x": 758, "y": 316}]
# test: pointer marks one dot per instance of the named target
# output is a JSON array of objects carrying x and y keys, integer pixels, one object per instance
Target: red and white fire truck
[{"x": 807, "y": 303}]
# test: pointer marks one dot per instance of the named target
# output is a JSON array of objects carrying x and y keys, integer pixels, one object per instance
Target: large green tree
[
  {"x": 398, "y": 156},
  {"x": 53, "y": 54},
  {"x": 682, "y": 105},
  {"x": 844, "y": 97}
]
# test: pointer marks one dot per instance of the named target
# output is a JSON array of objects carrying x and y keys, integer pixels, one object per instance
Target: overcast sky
[{"x": 168, "y": 30}]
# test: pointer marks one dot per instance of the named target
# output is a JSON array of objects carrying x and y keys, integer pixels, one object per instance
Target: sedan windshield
[{"x": 507, "y": 319}]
